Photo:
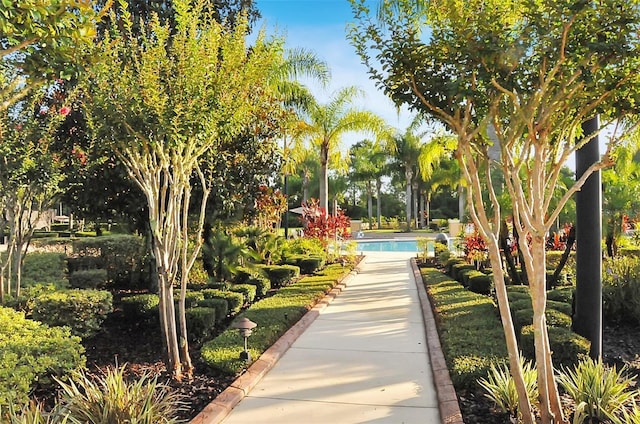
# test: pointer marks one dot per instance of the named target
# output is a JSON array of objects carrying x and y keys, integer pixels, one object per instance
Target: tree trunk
[
  {"x": 408, "y": 174},
  {"x": 550, "y": 406},
  {"x": 324, "y": 178},
  {"x": 422, "y": 211},
  {"x": 379, "y": 202},
  {"x": 370, "y": 203},
  {"x": 415, "y": 205},
  {"x": 510, "y": 335},
  {"x": 460, "y": 203}
]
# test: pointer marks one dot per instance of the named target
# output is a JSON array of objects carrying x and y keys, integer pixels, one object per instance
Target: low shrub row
[
  {"x": 274, "y": 315},
  {"x": 474, "y": 339}
]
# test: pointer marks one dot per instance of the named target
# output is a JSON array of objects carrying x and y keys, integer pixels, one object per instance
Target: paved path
[{"x": 363, "y": 360}]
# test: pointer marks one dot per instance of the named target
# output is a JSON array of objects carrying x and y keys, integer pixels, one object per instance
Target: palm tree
[
  {"x": 433, "y": 175},
  {"x": 328, "y": 123},
  {"x": 367, "y": 164}
]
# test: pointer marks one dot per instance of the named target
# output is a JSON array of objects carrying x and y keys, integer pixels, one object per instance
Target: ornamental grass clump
[
  {"x": 600, "y": 393},
  {"x": 111, "y": 398},
  {"x": 501, "y": 388}
]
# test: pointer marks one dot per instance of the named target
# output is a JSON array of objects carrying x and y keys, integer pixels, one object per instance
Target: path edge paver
[
  {"x": 218, "y": 409},
  {"x": 447, "y": 398}
]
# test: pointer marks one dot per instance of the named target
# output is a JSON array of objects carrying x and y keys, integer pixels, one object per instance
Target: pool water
[{"x": 388, "y": 246}]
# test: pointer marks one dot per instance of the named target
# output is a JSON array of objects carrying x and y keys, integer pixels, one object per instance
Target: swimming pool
[{"x": 388, "y": 246}]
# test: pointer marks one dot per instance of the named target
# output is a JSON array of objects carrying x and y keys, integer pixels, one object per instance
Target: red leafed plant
[
  {"x": 270, "y": 205},
  {"x": 319, "y": 224},
  {"x": 474, "y": 247}
]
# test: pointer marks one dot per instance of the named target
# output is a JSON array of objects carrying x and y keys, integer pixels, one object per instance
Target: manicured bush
[
  {"x": 480, "y": 283},
  {"x": 141, "y": 306},
  {"x": 44, "y": 234},
  {"x": 474, "y": 335},
  {"x": 234, "y": 300},
  {"x": 518, "y": 293},
  {"x": 466, "y": 274},
  {"x": 81, "y": 310},
  {"x": 32, "y": 354},
  {"x": 220, "y": 305},
  {"x": 563, "y": 307},
  {"x": 457, "y": 269},
  {"x": 191, "y": 298},
  {"x": 124, "y": 257},
  {"x": 247, "y": 290},
  {"x": 44, "y": 268},
  {"x": 448, "y": 267},
  {"x": 200, "y": 322},
  {"x": 84, "y": 262},
  {"x": 219, "y": 285},
  {"x": 568, "y": 347},
  {"x": 281, "y": 275},
  {"x": 88, "y": 278},
  {"x": 554, "y": 318},
  {"x": 310, "y": 264},
  {"x": 561, "y": 294},
  {"x": 262, "y": 285}
]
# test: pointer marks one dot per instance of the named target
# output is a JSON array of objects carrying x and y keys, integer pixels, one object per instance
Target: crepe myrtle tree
[
  {"x": 165, "y": 99},
  {"x": 514, "y": 81}
]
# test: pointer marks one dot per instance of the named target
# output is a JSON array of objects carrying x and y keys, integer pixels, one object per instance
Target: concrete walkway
[{"x": 363, "y": 360}]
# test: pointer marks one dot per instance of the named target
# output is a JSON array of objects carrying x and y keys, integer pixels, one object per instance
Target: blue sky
[{"x": 319, "y": 26}]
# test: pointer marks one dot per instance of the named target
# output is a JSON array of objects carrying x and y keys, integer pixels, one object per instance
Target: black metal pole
[{"x": 587, "y": 318}]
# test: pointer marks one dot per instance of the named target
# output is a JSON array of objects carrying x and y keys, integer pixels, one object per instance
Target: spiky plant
[
  {"x": 111, "y": 398},
  {"x": 501, "y": 388},
  {"x": 601, "y": 393}
]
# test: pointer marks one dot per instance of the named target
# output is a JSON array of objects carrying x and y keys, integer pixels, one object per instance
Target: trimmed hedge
[
  {"x": 263, "y": 285},
  {"x": 457, "y": 269},
  {"x": 274, "y": 315},
  {"x": 220, "y": 305},
  {"x": 235, "y": 301},
  {"x": 474, "y": 339},
  {"x": 280, "y": 275},
  {"x": 200, "y": 322},
  {"x": 480, "y": 283},
  {"x": 81, "y": 310},
  {"x": 567, "y": 347},
  {"x": 554, "y": 318},
  {"x": 124, "y": 257},
  {"x": 32, "y": 354},
  {"x": 247, "y": 290},
  {"x": 44, "y": 268},
  {"x": 141, "y": 306},
  {"x": 88, "y": 278},
  {"x": 562, "y": 294}
]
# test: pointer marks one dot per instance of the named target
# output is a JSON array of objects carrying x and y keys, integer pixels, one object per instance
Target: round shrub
[
  {"x": 559, "y": 306},
  {"x": 191, "y": 298},
  {"x": 88, "y": 278},
  {"x": 281, "y": 275},
  {"x": 567, "y": 347},
  {"x": 234, "y": 300},
  {"x": 262, "y": 285},
  {"x": 524, "y": 317},
  {"x": 448, "y": 267},
  {"x": 562, "y": 294},
  {"x": 81, "y": 310},
  {"x": 456, "y": 270},
  {"x": 141, "y": 306},
  {"x": 33, "y": 353},
  {"x": 200, "y": 322},
  {"x": 467, "y": 274},
  {"x": 311, "y": 264},
  {"x": 481, "y": 283},
  {"x": 247, "y": 290},
  {"x": 220, "y": 305}
]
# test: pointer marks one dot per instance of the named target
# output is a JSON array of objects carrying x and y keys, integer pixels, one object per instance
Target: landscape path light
[{"x": 245, "y": 326}]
